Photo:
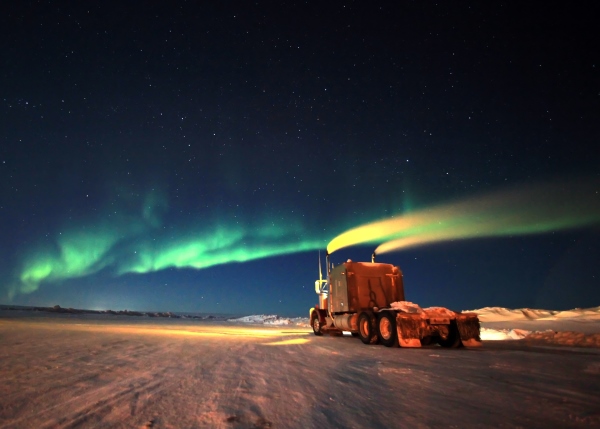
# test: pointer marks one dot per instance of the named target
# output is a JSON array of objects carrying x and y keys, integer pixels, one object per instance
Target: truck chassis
[{"x": 394, "y": 328}]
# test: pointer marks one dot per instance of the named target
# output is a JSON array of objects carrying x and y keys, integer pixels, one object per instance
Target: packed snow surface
[{"x": 116, "y": 371}]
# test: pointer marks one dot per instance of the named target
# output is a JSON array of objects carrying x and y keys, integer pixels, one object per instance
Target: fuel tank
[{"x": 346, "y": 322}]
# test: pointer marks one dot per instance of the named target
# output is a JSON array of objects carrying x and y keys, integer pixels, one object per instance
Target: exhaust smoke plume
[{"x": 528, "y": 210}]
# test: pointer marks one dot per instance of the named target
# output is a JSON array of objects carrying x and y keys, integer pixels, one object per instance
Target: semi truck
[{"x": 367, "y": 299}]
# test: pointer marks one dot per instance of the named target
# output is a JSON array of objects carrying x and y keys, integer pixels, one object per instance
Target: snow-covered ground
[
  {"x": 95, "y": 371},
  {"x": 577, "y": 327}
]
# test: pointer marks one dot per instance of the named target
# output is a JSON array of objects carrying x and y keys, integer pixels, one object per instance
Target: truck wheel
[
  {"x": 366, "y": 330},
  {"x": 386, "y": 329},
  {"x": 453, "y": 339},
  {"x": 315, "y": 323}
]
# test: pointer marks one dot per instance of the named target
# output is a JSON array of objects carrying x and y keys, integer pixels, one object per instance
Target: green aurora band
[
  {"x": 141, "y": 243},
  {"x": 125, "y": 248}
]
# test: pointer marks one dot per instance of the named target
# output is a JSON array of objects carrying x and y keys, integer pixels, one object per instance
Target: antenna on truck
[
  {"x": 320, "y": 272},
  {"x": 319, "y": 282}
]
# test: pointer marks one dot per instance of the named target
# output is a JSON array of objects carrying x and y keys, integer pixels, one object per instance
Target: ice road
[{"x": 74, "y": 372}]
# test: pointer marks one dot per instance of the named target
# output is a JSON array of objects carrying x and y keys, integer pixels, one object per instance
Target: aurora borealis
[
  {"x": 196, "y": 157},
  {"x": 126, "y": 249}
]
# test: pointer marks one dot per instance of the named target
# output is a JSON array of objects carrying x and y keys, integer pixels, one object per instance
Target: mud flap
[
  {"x": 468, "y": 328},
  {"x": 410, "y": 329},
  {"x": 471, "y": 343},
  {"x": 409, "y": 342}
]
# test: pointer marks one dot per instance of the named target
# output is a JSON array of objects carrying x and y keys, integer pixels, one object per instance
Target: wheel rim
[
  {"x": 385, "y": 327},
  {"x": 364, "y": 328},
  {"x": 316, "y": 325}
]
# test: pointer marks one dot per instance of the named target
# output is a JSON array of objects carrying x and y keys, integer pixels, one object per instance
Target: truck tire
[
  {"x": 315, "y": 323},
  {"x": 366, "y": 329},
  {"x": 453, "y": 340},
  {"x": 386, "y": 329}
]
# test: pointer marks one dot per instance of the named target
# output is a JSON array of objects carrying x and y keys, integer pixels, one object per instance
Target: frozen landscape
[
  {"x": 245, "y": 161},
  {"x": 537, "y": 368}
]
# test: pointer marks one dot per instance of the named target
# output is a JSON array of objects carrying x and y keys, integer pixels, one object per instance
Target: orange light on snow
[
  {"x": 287, "y": 342},
  {"x": 200, "y": 331}
]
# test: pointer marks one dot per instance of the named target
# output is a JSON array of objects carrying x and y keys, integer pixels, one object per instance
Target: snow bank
[
  {"x": 548, "y": 337},
  {"x": 272, "y": 319},
  {"x": 566, "y": 338},
  {"x": 503, "y": 334},
  {"x": 500, "y": 314},
  {"x": 537, "y": 319}
]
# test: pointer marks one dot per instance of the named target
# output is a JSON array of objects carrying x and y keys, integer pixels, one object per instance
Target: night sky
[{"x": 196, "y": 156}]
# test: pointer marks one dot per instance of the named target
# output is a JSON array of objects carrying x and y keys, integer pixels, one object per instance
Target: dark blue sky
[{"x": 186, "y": 156}]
